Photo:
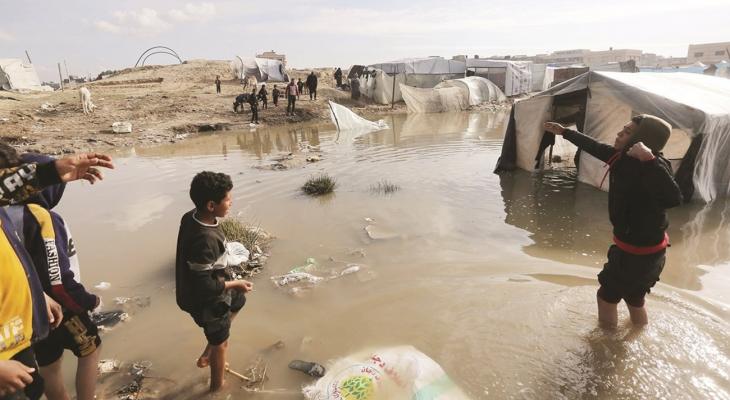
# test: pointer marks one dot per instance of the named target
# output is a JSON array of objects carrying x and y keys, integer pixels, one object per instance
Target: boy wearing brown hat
[{"x": 641, "y": 188}]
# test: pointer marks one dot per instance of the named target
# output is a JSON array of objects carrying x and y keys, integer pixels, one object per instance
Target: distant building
[
  {"x": 590, "y": 58},
  {"x": 708, "y": 53},
  {"x": 271, "y": 55}
]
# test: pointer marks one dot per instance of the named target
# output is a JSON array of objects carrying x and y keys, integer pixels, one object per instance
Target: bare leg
[
  {"x": 86, "y": 376},
  {"x": 638, "y": 315},
  {"x": 54, "y": 388},
  {"x": 217, "y": 365},
  {"x": 607, "y": 313}
]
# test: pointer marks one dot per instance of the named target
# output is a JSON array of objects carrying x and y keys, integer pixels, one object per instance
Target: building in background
[
  {"x": 708, "y": 53},
  {"x": 271, "y": 55}
]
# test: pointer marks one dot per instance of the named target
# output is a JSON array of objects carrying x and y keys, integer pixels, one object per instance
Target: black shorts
[
  {"x": 216, "y": 321},
  {"x": 628, "y": 276},
  {"x": 34, "y": 390},
  {"x": 77, "y": 333}
]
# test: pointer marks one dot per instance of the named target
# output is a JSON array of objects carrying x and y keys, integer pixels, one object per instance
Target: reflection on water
[{"x": 493, "y": 276}]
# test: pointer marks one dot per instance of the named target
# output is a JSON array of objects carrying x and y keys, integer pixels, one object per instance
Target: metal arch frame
[
  {"x": 243, "y": 67},
  {"x": 174, "y": 53},
  {"x": 159, "y": 52}
]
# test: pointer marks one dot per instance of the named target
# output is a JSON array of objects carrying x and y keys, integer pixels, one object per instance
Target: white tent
[
  {"x": 379, "y": 83},
  {"x": 17, "y": 75},
  {"x": 263, "y": 69},
  {"x": 452, "y": 95},
  {"x": 542, "y": 77},
  {"x": 600, "y": 103},
  {"x": 513, "y": 77}
]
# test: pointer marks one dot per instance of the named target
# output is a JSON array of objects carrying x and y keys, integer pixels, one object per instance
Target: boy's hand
[
  {"x": 640, "y": 152},
  {"x": 55, "y": 312},
  {"x": 554, "y": 128},
  {"x": 246, "y": 286},
  {"x": 14, "y": 376},
  {"x": 83, "y": 166}
]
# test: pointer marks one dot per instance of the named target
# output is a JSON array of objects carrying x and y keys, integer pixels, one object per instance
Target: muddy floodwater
[{"x": 494, "y": 277}]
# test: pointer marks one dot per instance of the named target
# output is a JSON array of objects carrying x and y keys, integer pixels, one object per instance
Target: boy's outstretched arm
[{"x": 586, "y": 143}]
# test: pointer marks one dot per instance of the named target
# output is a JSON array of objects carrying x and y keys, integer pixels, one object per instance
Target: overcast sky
[{"x": 96, "y": 35}]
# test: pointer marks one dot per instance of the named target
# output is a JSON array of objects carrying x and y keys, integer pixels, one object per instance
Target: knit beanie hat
[{"x": 653, "y": 132}]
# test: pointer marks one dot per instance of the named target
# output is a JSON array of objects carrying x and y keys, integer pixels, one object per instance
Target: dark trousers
[
  {"x": 276, "y": 100},
  {"x": 218, "y": 89},
  {"x": 290, "y": 104},
  {"x": 254, "y": 115},
  {"x": 312, "y": 93},
  {"x": 264, "y": 103}
]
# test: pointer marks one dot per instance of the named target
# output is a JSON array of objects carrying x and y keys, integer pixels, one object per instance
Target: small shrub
[
  {"x": 384, "y": 187},
  {"x": 319, "y": 185},
  {"x": 249, "y": 236}
]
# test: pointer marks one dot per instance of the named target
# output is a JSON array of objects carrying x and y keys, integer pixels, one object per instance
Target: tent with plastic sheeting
[
  {"x": 346, "y": 120},
  {"x": 600, "y": 103},
  {"x": 17, "y": 75},
  {"x": 381, "y": 81},
  {"x": 512, "y": 77},
  {"x": 452, "y": 95},
  {"x": 263, "y": 69},
  {"x": 542, "y": 77}
]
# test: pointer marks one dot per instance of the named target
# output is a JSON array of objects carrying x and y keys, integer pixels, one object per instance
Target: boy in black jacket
[
  {"x": 641, "y": 188},
  {"x": 204, "y": 287}
]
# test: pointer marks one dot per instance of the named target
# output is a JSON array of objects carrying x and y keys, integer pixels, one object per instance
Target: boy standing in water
[
  {"x": 641, "y": 188},
  {"x": 204, "y": 287}
]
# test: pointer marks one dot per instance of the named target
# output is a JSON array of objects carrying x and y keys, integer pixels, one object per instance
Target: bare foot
[{"x": 204, "y": 359}]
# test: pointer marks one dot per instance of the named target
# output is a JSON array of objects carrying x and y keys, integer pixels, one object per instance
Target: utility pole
[
  {"x": 67, "y": 75},
  {"x": 28, "y": 55},
  {"x": 60, "y": 76}
]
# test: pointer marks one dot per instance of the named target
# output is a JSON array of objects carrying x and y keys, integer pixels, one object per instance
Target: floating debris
[{"x": 106, "y": 320}]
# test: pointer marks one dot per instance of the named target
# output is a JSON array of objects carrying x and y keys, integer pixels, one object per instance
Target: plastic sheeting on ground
[
  {"x": 451, "y": 95},
  {"x": 263, "y": 69},
  {"x": 346, "y": 120},
  {"x": 694, "y": 104},
  {"x": 17, "y": 75},
  {"x": 390, "y": 373}
]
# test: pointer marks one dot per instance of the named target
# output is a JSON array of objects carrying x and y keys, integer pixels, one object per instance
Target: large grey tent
[
  {"x": 263, "y": 69},
  {"x": 600, "y": 103},
  {"x": 17, "y": 75}
]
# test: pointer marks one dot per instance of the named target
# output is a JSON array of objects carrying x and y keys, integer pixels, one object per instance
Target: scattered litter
[
  {"x": 312, "y": 159},
  {"x": 122, "y": 127},
  {"x": 309, "y": 266},
  {"x": 351, "y": 269},
  {"x": 103, "y": 285},
  {"x": 4, "y": 120},
  {"x": 132, "y": 390},
  {"x": 378, "y": 233},
  {"x": 47, "y": 107},
  {"x": 310, "y": 368},
  {"x": 106, "y": 320},
  {"x": 369, "y": 220},
  {"x": 254, "y": 376},
  {"x": 295, "y": 277},
  {"x": 108, "y": 366},
  {"x": 139, "y": 301}
]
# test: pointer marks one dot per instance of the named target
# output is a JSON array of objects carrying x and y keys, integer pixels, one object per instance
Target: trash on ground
[
  {"x": 139, "y": 301},
  {"x": 108, "y": 366},
  {"x": 103, "y": 285},
  {"x": 255, "y": 375},
  {"x": 312, "y": 159},
  {"x": 132, "y": 390},
  {"x": 295, "y": 277},
  {"x": 122, "y": 127},
  {"x": 47, "y": 107},
  {"x": 309, "y": 266},
  {"x": 310, "y": 368},
  {"x": 106, "y": 320},
  {"x": 376, "y": 232},
  {"x": 400, "y": 372}
]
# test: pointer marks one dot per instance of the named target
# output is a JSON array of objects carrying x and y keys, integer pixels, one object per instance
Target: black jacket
[
  {"x": 200, "y": 266},
  {"x": 312, "y": 81},
  {"x": 639, "y": 192}
]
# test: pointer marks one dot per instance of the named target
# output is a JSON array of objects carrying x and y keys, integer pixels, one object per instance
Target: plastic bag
[
  {"x": 390, "y": 373},
  {"x": 237, "y": 254}
]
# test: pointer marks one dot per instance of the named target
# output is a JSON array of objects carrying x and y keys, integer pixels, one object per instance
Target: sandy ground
[{"x": 163, "y": 103}]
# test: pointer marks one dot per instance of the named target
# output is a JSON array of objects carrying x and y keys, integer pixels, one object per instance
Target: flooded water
[{"x": 491, "y": 276}]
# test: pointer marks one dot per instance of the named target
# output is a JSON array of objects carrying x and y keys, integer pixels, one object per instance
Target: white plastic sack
[
  {"x": 389, "y": 373},
  {"x": 344, "y": 119},
  {"x": 122, "y": 127},
  {"x": 237, "y": 253}
]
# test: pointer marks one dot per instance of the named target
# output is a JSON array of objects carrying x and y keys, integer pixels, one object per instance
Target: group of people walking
[{"x": 292, "y": 91}]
